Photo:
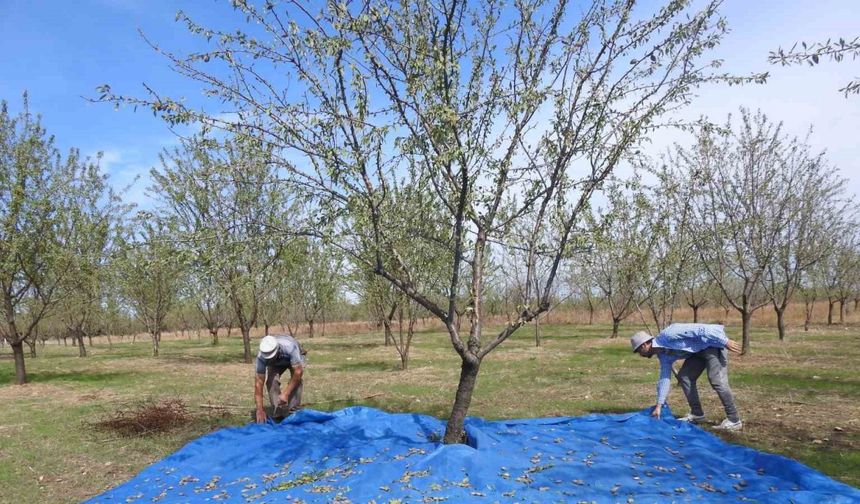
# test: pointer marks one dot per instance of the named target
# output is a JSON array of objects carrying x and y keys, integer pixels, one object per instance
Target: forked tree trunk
[
  {"x": 156, "y": 337},
  {"x": 780, "y": 322},
  {"x": 616, "y": 322},
  {"x": 79, "y": 339},
  {"x": 387, "y": 329},
  {"x": 214, "y": 334},
  {"x": 32, "y": 346},
  {"x": 454, "y": 432}
]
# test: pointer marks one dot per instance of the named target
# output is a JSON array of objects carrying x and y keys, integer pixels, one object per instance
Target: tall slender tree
[{"x": 149, "y": 270}]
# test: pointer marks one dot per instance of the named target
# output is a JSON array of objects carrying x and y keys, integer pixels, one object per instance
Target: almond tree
[
  {"x": 814, "y": 220},
  {"x": 741, "y": 206},
  {"x": 312, "y": 280},
  {"x": 840, "y": 271},
  {"x": 92, "y": 223},
  {"x": 624, "y": 237},
  {"x": 149, "y": 270},
  {"x": 51, "y": 209},
  {"x": 222, "y": 195},
  {"x": 530, "y": 102}
]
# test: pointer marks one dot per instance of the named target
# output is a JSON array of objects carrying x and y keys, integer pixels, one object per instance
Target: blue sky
[{"x": 61, "y": 50}]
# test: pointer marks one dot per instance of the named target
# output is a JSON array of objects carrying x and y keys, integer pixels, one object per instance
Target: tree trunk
[
  {"x": 246, "y": 342},
  {"x": 856, "y": 304},
  {"x": 310, "y": 328},
  {"x": 537, "y": 331},
  {"x": 695, "y": 313},
  {"x": 265, "y": 328},
  {"x": 841, "y": 311},
  {"x": 214, "y": 334},
  {"x": 830, "y": 305},
  {"x": 590, "y": 315},
  {"x": 156, "y": 337},
  {"x": 615, "y": 324},
  {"x": 78, "y": 335},
  {"x": 20, "y": 369},
  {"x": 780, "y": 322},
  {"x": 746, "y": 319},
  {"x": 32, "y": 345},
  {"x": 454, "y": 432},
  {"x": 90, "y": 339},
  {"x": 387, "y": 328},
  {"x": 808, "y": 315}
]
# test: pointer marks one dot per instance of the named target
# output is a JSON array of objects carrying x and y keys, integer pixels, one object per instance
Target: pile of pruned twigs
[{"x": 146, "y": 417}]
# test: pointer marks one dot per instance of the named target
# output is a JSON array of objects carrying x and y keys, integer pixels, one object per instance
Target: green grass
[{"x": 50, "y": 452}]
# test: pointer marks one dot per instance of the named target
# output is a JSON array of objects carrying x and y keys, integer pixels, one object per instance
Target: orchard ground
[{"x": 800, "y": 398}]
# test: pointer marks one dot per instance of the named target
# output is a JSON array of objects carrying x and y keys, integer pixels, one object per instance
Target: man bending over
[
  {"x": 278, "y": 354},
  {"x": 702, "y": 347}
]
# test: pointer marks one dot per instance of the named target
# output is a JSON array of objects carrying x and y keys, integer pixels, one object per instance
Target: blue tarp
[{"x": 366, "y": 455}]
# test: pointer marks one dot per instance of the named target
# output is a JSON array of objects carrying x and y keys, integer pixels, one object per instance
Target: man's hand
[
  {"x": 656, "y": 412},
  {"x": 733, "y": 346},
  {"x": 261, "y": 415},
  {"x": 283, "y": 398}
]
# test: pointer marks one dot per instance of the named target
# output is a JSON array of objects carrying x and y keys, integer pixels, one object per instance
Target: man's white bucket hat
[
  {"x": 639, "y": 338},
  {"x": 268, "y": 347}
]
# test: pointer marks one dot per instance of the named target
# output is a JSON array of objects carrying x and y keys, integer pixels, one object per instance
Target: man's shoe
[
  {"x": 691, "y": 418},
  {"x": 728, "y": 425}
]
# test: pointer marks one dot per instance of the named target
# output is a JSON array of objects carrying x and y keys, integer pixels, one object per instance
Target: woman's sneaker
[
  {"x": 691, "y": 418},
  {"x": 728, "y": 425}
]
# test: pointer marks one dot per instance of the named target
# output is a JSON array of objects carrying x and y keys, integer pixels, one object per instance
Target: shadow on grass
[
  {"x": 7, "y": 377},
  {"x": 208, "y": 358},
  {"x": 798, "y": 382},
  {"x": 339, "y": 346},
  {"x": 366, "y": 366}
]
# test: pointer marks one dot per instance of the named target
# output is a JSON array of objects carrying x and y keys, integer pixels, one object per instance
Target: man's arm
[
  {"x": 664, "y": 382},
  {"x": 295, "y": 377},
  {"x": 259, "y": 379}
]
